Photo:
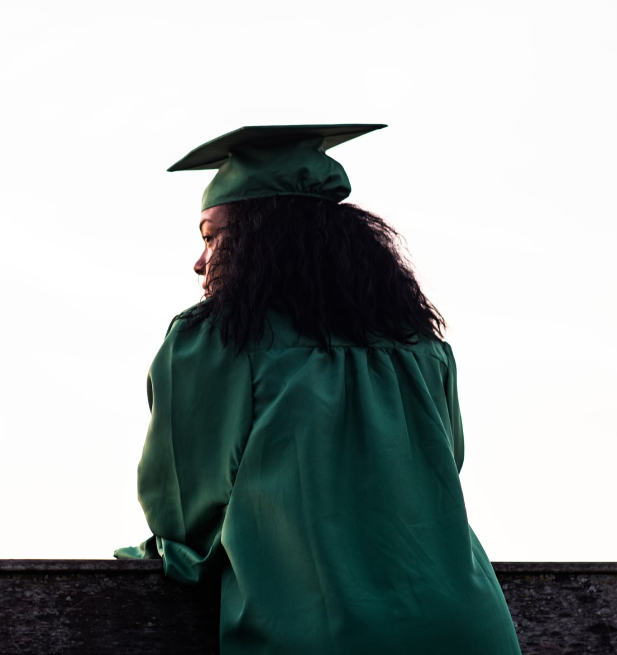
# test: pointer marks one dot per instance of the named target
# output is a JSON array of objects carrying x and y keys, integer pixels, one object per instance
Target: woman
[{"x": 306, "y": 438}]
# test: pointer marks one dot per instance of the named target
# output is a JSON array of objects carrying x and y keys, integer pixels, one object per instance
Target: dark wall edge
[{"x": 153, "y": 565}]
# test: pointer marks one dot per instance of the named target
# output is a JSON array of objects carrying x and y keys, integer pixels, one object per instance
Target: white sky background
[{"x": 498, "y": 166}]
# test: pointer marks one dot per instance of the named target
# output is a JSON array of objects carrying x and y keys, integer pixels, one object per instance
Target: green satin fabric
[
  {"x": 325, "y": 487},
  {"x": 296, "y": 168}
]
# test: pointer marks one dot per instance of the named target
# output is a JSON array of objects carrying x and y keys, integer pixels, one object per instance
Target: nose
[{"x": 200, "y": 265}]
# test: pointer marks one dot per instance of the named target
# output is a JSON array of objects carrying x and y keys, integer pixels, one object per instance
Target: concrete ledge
[
  {"x": 147, "y": 565},
  {"x": 82, "y": 565},
  {"x": 127, "y": 607}
]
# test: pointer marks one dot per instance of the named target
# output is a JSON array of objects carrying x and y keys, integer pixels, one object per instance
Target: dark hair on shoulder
[{"x": 335, "y": 269}]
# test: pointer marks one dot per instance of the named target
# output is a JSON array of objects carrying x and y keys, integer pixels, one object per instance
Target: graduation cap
[{"x": 274, "y": 160}]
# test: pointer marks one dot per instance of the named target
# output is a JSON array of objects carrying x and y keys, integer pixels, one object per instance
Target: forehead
[{"x": 212, "y": 217}]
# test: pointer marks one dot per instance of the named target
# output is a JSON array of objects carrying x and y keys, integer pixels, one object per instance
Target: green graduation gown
[{"x": 324, "y": 486}]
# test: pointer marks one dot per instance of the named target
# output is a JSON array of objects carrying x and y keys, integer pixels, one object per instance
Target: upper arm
[{"x": 201, "y": 400}]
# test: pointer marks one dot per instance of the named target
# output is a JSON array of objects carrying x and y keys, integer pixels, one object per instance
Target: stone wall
[{"x": 100, "y": 607}]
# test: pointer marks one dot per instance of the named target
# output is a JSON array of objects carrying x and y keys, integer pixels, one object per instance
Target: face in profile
[{"x": 210, "y": 226}]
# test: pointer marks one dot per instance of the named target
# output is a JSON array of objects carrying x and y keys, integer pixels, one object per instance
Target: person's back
[{"x": 346, "y": 529}]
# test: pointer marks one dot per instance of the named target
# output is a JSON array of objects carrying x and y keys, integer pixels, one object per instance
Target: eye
[{"x": 207, "y": 238}]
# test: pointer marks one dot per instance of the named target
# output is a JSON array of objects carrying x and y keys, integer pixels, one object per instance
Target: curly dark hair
[{"x": 335, "y": 269}]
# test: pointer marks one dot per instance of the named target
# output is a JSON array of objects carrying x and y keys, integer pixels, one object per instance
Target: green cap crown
[{"x": 273, "y": 160}]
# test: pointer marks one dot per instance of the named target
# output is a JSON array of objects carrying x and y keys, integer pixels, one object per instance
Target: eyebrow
[{"x": 204, "y": 220}]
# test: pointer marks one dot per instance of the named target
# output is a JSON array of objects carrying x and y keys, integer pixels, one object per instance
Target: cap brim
[{"x": 214, "y": 153}]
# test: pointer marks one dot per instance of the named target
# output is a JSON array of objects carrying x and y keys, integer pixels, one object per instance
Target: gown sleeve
[
  {"x": 200, "y": 397},
  {"x": 454, "y": 410}
]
